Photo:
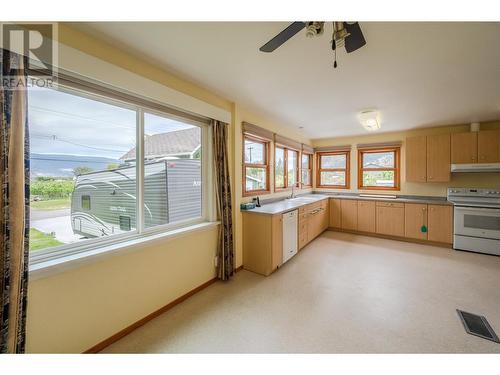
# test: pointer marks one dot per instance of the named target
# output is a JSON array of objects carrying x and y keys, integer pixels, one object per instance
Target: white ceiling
[{"x": 415, "y": 74}]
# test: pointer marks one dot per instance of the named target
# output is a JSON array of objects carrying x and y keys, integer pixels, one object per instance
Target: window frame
[
  {"x": 140, "y": 107},
  {"x": 346, "y": 170},
  {"x": 310, "y": 169},
  {"x": 266, "y": 165},
  {"x": 396, "y": 169},
  {"x": 285, "y": 167}
]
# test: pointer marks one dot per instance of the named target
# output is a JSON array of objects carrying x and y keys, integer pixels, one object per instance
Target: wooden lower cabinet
[
  {"x": 349, "y": 214},
  {"x": 318, "y": 219},
  {"x": 335, "y": 213},
  {"x": 262, "y": 242},
  {"x": 390, "y": 219},
  {"x": 415, "y": 219},
  {"x": 263, "y": 235},
  {"x": 440, "y": 220},
  {"x": 366, "y": 216}
]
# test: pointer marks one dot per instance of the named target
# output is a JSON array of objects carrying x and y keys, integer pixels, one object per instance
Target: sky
[{"x": 62, "y": 123}]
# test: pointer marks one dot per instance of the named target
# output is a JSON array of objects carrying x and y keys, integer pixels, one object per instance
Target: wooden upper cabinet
[
  {"x": 349, "y": 210},
  {"x": 488, "y": 145},
  {"x": 416, "y": 159},
  {"x": 335, "y": 213},
  {"x": 440, "y": 219},
  {"x": 438, "y": 158},
  {"x": 464, "y": 148},
  {"x": 415, "y": 219},
  {"x": 366, "y": 216}
]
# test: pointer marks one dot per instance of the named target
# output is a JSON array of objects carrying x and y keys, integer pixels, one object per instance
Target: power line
[
  {"x": 74, "y": 116},
  {"x": 74, "y": 161},
  {"x": 56, "y": 138}
]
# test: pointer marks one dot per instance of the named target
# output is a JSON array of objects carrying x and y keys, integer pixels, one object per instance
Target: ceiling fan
[{"x": 345, "y": 34}]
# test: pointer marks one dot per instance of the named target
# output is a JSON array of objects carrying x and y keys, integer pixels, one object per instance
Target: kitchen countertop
[{"x": 286, "y": 205}]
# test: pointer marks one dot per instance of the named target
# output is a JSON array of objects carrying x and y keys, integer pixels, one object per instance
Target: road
[{"x": 54, "y": 221}]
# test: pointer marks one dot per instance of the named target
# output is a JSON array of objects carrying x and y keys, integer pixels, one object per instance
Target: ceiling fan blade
[
  {"x": 356, "y": 39},
  {"x": 282, "y": 37}
]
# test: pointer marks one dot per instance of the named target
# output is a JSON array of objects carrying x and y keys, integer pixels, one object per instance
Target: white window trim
[{"x": 63, "y": 254}]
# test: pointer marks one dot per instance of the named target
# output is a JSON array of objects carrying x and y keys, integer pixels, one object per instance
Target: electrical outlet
[{"x": 216, "y": 261}]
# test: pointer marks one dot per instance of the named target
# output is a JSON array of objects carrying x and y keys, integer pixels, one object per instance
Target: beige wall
[
  {"x": 414, "y": 188},
  {"x": 74, "y": 310}
]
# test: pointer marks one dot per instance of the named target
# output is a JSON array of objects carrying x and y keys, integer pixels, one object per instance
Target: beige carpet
[{"x": 342, "y": 294}]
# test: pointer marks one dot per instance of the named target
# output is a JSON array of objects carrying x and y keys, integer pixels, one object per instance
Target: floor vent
[{"x": 477, "y": 325}]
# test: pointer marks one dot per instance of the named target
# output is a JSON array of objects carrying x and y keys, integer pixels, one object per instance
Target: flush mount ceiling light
[{"x": 370, "y": 120}]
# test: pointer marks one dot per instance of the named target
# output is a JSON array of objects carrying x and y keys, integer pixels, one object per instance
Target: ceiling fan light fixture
[
  {"x": 369, "y": 120},
  {"x": 314, "y": 28}
]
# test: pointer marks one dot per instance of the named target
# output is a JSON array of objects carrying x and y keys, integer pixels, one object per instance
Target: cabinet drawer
[{"x": 390, "y": 204}]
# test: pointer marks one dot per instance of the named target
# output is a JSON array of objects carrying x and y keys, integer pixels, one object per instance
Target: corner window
[
  {"x": 255, "y": 166},
  {"x": 306, "y": 170},
  {"x": 90, "y": 186},
  {"x": 286, "y": 168},
  {"x": 333, "y": 170},
  {"x": 379, "y": 169}
]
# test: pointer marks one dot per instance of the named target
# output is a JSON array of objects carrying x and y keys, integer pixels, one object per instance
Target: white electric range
[{"x": 476, "y": 220}]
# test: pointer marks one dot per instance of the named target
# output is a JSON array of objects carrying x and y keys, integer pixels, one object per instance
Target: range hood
[{"x": 476, "y": 167}]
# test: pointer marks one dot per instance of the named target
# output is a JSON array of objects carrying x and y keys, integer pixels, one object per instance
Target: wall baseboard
[{"x": 124, "y": 332}]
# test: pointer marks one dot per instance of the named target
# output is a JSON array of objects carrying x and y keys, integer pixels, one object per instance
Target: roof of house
[{"x": 172, "y": 143}]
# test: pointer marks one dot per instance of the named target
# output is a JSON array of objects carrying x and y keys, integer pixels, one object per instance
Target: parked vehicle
[{"x": 104, "y": 202}]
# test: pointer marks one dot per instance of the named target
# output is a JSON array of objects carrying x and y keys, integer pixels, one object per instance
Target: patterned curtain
[
  {"x": 223, "y": 194},
  {"x": 14, "y": 203}
]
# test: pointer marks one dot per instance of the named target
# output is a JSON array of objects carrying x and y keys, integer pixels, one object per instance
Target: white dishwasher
[{"x": 290, "y": 224}]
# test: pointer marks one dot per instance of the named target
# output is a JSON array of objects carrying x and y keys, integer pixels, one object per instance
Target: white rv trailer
[{"x": 104, "y": 202}]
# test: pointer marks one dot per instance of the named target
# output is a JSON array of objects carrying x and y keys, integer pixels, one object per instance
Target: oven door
[{"x": 477, "y": 222}]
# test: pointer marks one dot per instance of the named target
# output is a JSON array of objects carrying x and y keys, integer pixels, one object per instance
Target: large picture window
[
  {"x": 379, "y": 169},
  {"x": 255, "y": 166},
  {"x": 286, "y": 168},
  {"x": 333, "y": 169},
  {"x": 89, "y": 183}
]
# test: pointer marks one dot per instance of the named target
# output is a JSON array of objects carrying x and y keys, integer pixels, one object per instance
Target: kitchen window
[
  {"x": 106, "y": 169},
  {"x": 333, "y": 169},
  {"x": 306, "y": 170},
  {"x": 255, "y": 166},
  {"x": 286, "y": 168},
  {"x": 379, "y": 169}
]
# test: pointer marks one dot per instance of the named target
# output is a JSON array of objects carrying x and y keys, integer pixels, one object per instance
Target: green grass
[
  {"x": 51, "y": 204},
  {"x": 40, "y": 240}
]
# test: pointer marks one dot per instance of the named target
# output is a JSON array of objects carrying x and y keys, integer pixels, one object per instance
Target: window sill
[{"x": 64, "y": 263}]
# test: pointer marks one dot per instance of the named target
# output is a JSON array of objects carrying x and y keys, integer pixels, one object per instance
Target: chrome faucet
[{"x": 293, "y": 193}]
